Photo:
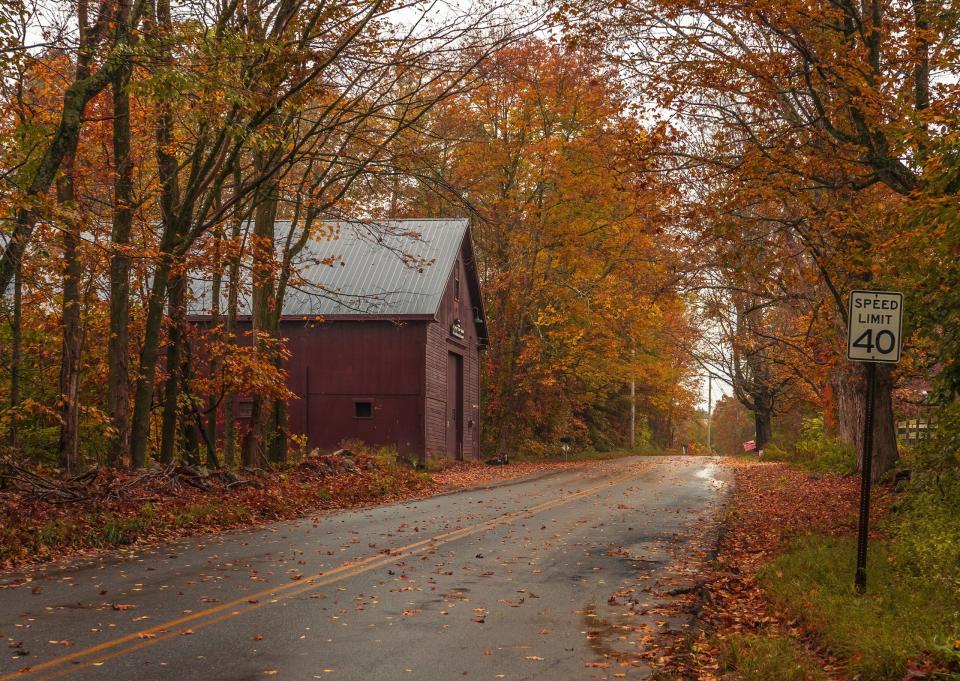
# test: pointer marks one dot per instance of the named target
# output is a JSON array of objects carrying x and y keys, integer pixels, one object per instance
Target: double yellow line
[{"x": 129, "y": 643}]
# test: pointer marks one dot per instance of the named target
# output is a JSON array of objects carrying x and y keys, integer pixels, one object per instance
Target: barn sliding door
[{"x": 455, "y": 405}]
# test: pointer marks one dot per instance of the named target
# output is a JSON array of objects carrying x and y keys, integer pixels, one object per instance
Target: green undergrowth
[
  {"x": 762, "y": 658},
  {"x": 814, "y": 451},
  {"x": 911, "y": 611},
  {"x": 903, "y": 617},
  {"x": 907, "y": 625}
]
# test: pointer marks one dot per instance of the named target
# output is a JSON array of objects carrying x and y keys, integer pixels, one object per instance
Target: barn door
[{"x": 455, "y": 405}]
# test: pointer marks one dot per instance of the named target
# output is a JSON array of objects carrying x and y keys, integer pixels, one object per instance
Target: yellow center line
[{"x": 252, "y": 601}]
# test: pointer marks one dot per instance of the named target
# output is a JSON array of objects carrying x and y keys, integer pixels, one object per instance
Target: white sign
[{"x": 875, "y": 328}]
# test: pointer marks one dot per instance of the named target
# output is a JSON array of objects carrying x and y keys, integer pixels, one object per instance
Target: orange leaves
[{"x": 574, "y": 266}]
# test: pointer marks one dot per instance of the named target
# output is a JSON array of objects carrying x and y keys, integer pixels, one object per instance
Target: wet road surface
[{"x": 527, "y": 580}]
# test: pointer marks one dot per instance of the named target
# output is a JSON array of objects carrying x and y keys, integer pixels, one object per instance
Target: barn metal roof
[{"x": 390, "y": 268}]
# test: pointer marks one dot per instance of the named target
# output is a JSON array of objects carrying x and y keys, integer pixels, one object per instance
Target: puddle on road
[{"x": 709, "y": 473}]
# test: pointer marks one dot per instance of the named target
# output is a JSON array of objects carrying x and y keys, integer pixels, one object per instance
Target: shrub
[
  {"x": 820, "y": 452},
  {"x": 815, "y": 450},
  {"x": 925, "y": 522}
]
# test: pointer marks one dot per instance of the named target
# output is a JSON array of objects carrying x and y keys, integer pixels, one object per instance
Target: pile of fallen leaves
[
  {"x": 771, "y": 503},
  {"x": 43, "y": 517},
  {"x": 46, "y": 517}
]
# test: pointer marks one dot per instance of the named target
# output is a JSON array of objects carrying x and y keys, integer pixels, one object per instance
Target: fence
[{"x": 912, "y": 431}]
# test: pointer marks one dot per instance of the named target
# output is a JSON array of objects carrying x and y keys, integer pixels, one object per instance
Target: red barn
[{"x": 384, "y": 324}]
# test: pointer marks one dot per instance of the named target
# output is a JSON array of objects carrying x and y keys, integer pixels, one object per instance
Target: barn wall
[
  {"x": 440, "y": 343},
  {"x": 332, "y": 365}
]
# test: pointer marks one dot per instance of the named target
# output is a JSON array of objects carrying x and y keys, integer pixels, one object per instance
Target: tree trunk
[
  {"x": 262, "y": 417},
  {"x": 237, "y": 230},
  {"x": 118, "y": 381},
  {"x": 762, "y": 399},
  {"x": 16, "y": 342},
  {"x": 763, "y": 423},
  {"x": 175, "y": 339},
  {"x": 229, "y": 436},
  {"x": 70, "y": 356},
  {"x": 167, "y": 170},
  {"x": 278, "y": 450},
  {"x": 190, "y": 425},
  {"x": 885, "y": 452},
  {"x": 851, "y": 414},
  {"x": 215, "y": 331},
  {"x": 149, "y": 353}
]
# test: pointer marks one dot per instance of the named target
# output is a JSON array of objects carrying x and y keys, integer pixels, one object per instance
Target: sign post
[{"x": 875, "y": 324}]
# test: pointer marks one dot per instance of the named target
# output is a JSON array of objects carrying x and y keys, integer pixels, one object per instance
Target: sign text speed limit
[{"x": 876, "y": 319}]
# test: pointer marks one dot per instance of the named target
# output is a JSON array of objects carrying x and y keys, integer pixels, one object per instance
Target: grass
[
  {"x": 761, "y": 658},
  {"x": 901, "y": 618}
]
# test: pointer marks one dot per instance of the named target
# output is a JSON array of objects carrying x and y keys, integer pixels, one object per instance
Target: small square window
[
  {"x": 245, "y": 408},
  {"x": 363, "y": 410}
]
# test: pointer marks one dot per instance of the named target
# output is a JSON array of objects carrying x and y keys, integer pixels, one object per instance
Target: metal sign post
[
  {"x": 863, "y": 526},
  {"x": 874, "y": 335}
]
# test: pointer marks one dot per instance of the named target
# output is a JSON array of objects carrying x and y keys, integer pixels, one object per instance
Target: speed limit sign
[
  {"x": 876, "y": 320},
  {"x": 875, "y": 326}
]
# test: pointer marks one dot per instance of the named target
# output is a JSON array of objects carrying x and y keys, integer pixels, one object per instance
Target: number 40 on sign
[{"x": 876, "y": 319}]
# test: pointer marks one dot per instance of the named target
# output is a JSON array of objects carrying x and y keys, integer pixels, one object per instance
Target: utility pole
[
  {"x": 709, "y": 410},
  {"x": 633, "y": 396}
]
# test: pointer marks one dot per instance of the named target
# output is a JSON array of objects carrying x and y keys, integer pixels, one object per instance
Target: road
[{"x": 516, "y": 581}]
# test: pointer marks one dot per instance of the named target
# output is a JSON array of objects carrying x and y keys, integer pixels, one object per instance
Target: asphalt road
[{"x": 529, "y": 580}]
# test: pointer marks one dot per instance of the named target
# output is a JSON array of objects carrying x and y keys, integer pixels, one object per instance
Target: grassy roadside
[
  {"x": 905, "y": 624},
  {"x": 753, "y": 657},
  {"x": 779, "y": 602}
]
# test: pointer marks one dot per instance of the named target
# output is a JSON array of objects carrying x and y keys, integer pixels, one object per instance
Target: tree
[
  {"x": 811, "y": 104},
  {"x": 558, "y": 175},
  {"x": 104, "y": 41}
]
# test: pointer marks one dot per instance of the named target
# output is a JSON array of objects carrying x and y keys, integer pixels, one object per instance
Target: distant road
[{"x": 509, "y": 582}]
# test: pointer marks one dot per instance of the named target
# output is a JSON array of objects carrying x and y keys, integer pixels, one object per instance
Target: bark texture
[
  {"x": 68, "y": 447},
  {"x": 118, "y": 379}
]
